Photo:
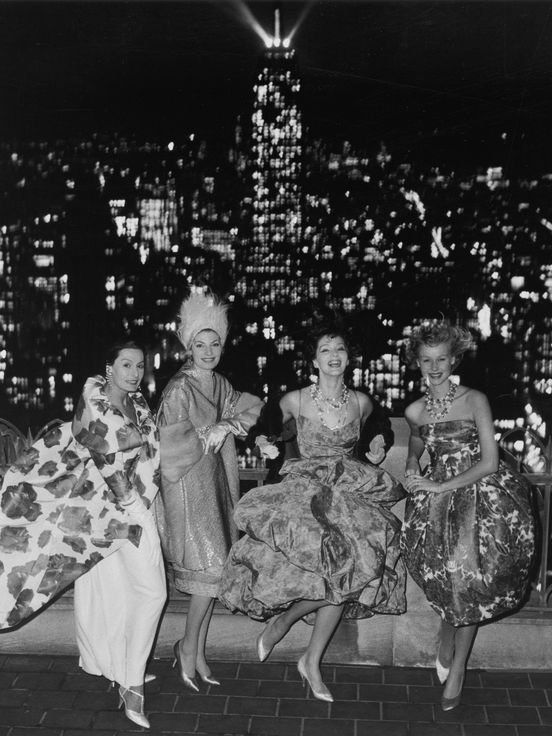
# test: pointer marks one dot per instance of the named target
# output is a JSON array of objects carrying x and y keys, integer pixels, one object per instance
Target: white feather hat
[{"x": 202, "y": 311}]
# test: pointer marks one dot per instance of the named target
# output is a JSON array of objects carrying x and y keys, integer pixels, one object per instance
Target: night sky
[{"x": 399, "y": 71}]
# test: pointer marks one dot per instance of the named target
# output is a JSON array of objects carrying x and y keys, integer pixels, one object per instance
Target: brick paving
[{"x": 50, "y": 696}]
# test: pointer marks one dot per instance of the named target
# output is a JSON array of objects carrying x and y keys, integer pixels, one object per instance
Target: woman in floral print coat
[{"x": 78, "y": 502}]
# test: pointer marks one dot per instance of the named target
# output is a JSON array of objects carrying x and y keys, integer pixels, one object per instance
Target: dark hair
[
  {"x": 324, "y": 329},
  {"x": 436, "y": 332},
  {"x": 113, "y": 352}
]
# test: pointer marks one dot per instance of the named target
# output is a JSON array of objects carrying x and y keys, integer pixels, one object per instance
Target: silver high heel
[
  {"x": 319, "y": 694},
  {"x": 262, "y": 650},
  {"x": 187, "y": 681},
  {"x": 136, "y": 716},
  {"x": 442, "y": 671},
  {"x": 208, "y": 679},
  {"x": 452, "y": 703}
]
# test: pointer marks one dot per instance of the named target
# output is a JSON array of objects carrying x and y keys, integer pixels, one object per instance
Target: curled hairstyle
[
  {"x": 436, "y": 332},
  {"x": 324, "y": 329},
  {"x": 113, "y": 352}
]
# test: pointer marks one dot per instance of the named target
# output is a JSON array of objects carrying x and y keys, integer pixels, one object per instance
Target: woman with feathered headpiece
[{"x": 198, "y": 417}]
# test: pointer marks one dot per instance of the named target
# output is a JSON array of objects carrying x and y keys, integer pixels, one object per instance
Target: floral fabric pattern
[
  {"x": 471, "y": 549},
  {"x": 59, "y": 502},
  {"x": 324, "y": 533}
]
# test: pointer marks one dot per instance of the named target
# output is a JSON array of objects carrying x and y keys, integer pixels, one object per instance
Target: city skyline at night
[{"x": 107, "y": 230}]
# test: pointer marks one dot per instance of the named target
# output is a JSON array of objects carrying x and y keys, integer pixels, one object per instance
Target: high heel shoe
[
  {"x": 452, "y": 703},
  {"x": 442, "y": 672},
  {"x": 136, "y": 716},
  {"x": 187, "y": 681},
  {"x": 319, "y": 694},
  {"x": 208, "y": 679},
  {"x": 262, "y": 650}
]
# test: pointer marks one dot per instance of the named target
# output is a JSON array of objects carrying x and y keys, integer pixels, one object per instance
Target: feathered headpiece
[{"x": 202, "y": 312}]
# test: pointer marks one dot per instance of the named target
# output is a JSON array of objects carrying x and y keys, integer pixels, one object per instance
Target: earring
[{"x": 108, "y": 374}]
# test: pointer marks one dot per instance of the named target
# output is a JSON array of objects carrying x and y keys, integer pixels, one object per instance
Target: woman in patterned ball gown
[
  {"x": 323, "y": 541},
  {"x": 198, "y": 417},
  {"x": 75, "y": 507},
  {"x": 469, "y": 531}
]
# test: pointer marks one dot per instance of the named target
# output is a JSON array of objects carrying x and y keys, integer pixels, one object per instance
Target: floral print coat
[{"x": 59, "y": 502}]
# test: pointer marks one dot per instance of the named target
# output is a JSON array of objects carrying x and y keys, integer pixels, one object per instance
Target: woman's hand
[
  {"x": 376, "y": 450},
  {"x": 267, "y": 449},
  {"x": 215, "y": 437},
  {"x": 415, "y": 482}
]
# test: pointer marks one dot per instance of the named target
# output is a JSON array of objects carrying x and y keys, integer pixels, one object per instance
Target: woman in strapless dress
[
  {"x": 322, "y": 543},
  {"x": 469, "y": 530}
]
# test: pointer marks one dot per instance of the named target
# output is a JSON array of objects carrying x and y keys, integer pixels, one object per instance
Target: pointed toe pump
[
  {"x": 452, "y": 703},
  {"x": 187, "y": 681},
  {"x": 133, "y": 703},
  {"x": 323, "y": 693},
  {"x": 263, "y": 649},
  {"x": 207, "y": 677},
  {"x": 442, "y": 672}
]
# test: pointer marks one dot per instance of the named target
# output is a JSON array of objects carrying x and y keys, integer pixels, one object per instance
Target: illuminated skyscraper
[
  {"x": 273, "y": 245},
  {"x": 34, "y": 318}
]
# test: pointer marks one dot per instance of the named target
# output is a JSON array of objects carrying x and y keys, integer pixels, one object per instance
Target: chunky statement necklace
[
  {"x": 439, "y": 408},
  {"x": 326, "y": 403}
]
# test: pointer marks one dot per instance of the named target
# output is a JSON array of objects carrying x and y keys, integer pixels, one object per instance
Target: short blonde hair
[{"x": 436, "y": 332}]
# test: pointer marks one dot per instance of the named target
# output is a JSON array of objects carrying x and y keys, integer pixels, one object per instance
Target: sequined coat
[{"x": 199, "y": 490}]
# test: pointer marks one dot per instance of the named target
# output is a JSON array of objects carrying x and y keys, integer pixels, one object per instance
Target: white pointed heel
[
  {"x": 263, "y": 650},
  {"x": 126, "y": 695},
  {"x": 442, "y": 672},
  {"x": 187, "y": 681},
  {"x": 322, "y": 694}
]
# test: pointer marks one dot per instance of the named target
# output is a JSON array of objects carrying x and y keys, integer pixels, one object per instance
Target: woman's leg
[
  {"x": 279, "y": 625},
  {"x": 201, "y": 664},
  {"x": 199, "y": 614},
  {"x": 445, "y": 651},
  {"x": 327, "y": 619},
  {"x": 463, "y": 640}
]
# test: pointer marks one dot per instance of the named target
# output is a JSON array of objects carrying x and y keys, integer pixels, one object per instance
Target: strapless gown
[
  {"x": 471, "y": 549},
  {"x": 325, "y": 532}
]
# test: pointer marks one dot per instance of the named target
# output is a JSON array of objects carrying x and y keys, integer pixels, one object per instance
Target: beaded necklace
[
  {"x": 325, "y": 403},
  {"x": 439, "y": 408}
]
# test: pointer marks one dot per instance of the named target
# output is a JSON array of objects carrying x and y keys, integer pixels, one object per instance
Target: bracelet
[
  {"x": 409, "y": 473},
  {"x": 202, "y": 432}
]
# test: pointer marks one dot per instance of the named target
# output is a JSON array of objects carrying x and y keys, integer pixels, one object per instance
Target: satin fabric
[
  {"x": 325, "y": 532},
  {"x": 471, "y": 549}
]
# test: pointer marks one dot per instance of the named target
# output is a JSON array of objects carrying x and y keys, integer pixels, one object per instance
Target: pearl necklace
[
  {"x": 325, "y": 403},
  {"x": 439, "y": 408}
]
